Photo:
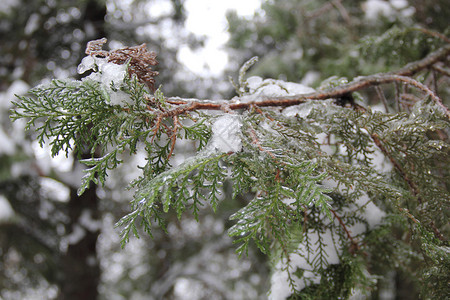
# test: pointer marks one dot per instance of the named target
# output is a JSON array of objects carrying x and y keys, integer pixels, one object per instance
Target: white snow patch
[
  {"x": 226, "y": 134},
  {"x": 46, "y": 162},
  {"x": 32, "y": 24},
  {"x": 8, "y": 146},
  {"x": 88, "y": 222},
  {"x": 208, "y": 19},
  {"x": 372, "y": 214},
  {"x": 6, "y": 211},
  {"x": 377, "y": 8},
  {"x": 378, "y": 107},
  {"x": 299, "y": 259},
  {"x": 367, "y": 210},
  {"x": 113, "y": 73},
  {"x": 73, "y": 176},
  {"x": 310, "y": 77},
  {"x": 380, "y": 162},
  {"x": 259, "y": 88},
  {"x": 54, "y": 189},
  {"x": 399, "y": 4},
  {"x": 325, "y": 142},
  {"x": 18, "y": 87},
  {"x": 77, "y": 234},
  {"x": 301, "y": 110},
  {"x": 7, "y": 5},
  {"x": 254, "y": 83},
  {"x": 87, "y": 63},
  {"x": 85, "y": 222},
  {"x": 289, "y": 201}
]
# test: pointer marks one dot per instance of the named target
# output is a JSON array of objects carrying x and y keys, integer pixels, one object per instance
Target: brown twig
[
  {"x": 361, "y": 83},
  {"x": 173, "y": 137},
  {"x": 441, "y": 70},
  {"x": 433, "y": 33},
  {"x": 434, "y": 78},
  {"x": 397, "y": 96},
  {"x": 382, "y": 98},
  {"x": 138, "y": 58},
  {"x": 342, "y": 11},
  {"x": 436, "y": 231},
  {"x": 255, "y": 141},
  {"x": 409, "y": 99},
  {"x": 320, "y": 11},
  {"x": 397, "y": 166},
  {"x": 417, "y": 66},
  {"x": 354, "y": 244}
]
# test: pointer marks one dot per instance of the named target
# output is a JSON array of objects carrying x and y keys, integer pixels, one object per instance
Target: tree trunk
[{"x": 80, "y": 265}]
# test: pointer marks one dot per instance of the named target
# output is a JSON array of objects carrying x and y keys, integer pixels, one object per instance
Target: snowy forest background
[{"x": 55, "y": 244}]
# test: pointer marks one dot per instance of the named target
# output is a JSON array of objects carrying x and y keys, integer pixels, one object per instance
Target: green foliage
[
  {"x": 339, "y": 281},
  {"x": 179, "y": 188},
  {"x": 267, "y": 210},
  {"x": 299, "y": 38},
  {"x": 76, "y": 115},
  {"x": 314, "y": 174},
  {"x": 398, "y": 46}
]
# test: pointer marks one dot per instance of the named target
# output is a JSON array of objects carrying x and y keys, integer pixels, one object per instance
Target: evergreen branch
[
  {"x": 171, "y": 188},
  {"x": 432, "y": 33},
  {"x": 417, "y": 66}
]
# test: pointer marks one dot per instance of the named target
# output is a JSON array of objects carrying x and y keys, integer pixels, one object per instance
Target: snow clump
[
  {"x": 6, "y": 210},
  {"x": 109, "y": 75},
  {"x": 226, "y": 134},
  {"x": 261, "y": 89}
]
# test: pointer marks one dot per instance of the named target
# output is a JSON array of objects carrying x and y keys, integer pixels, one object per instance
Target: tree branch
[{"x": 360, "y": 83}]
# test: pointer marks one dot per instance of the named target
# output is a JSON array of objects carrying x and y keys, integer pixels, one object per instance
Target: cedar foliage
[{"x": 285, "y": 163}]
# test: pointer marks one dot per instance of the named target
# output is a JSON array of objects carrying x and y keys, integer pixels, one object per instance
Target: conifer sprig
[{"x": 312, "y": 174}]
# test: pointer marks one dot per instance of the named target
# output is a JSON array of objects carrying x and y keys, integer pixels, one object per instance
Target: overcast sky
[{"x": 207, "y": 17}]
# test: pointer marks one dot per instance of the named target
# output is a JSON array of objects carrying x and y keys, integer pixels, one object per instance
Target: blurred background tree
[
  {"x": 309, "y": 41},
  {"x": 56, "y": 244}
]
